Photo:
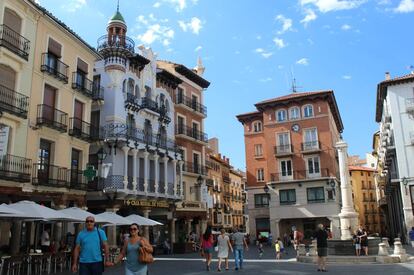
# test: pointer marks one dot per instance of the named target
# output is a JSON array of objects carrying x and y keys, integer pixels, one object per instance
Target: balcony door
[
  {"x": 44, "y": 156},
  {"x": 78, "y": 115},
  {"x": 195, "y": 131},
  {"x": 75, "y": 167},
  {"x": 311, "y": 139},
  {"x": 49, "y": 99},
  {"x": 283, "y": 142},
  {"x": 7, "y": 85},
  {"x": 196, "y": 163},
  {"x": 81, "y": 73},
  {"x": 194, "y": 101},
  {"x": 286, "y": 172},
  {"x": 54, "y": 51},
  {"x": 314, "y": 169},
  {"x": 13, "y": 23},
  {"x": 180, "y": 123}
]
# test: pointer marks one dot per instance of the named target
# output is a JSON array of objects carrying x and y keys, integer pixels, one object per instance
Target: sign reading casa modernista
[{"x": 147, "y": 203}]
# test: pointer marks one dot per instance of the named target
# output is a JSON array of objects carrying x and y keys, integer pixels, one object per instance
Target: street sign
[{"x": 89, "y": 173}]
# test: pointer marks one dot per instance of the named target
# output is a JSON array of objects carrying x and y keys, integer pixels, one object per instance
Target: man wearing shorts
[{"x": 322, "y": 242}]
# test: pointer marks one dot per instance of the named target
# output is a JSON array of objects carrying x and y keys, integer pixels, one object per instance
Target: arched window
[
  {"x": 148, "y": 93},
  {"x": 137, "y": 91},
  {"x": 124, "y": 86},
  {"x": 163, "y": 137},
  {"x": 167, "y": 106},
  {"x": 257, "y": 126},
  {"x": 148, "y": 132},
  {"x": 131, "y": 86},
  {"x": 294, "y": 113},
  {"x": 308, "y": 111},
  {"x": 7, "y": 77},
  {"x": 12, "y": 21},
  {"x": 281, "y": 115}
]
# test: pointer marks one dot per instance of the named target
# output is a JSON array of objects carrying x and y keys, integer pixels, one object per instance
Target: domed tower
[{"x": 115, "y": 46}]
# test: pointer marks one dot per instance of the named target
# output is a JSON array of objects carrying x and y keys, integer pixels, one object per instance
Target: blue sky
[{"x": 251, "y": 49}]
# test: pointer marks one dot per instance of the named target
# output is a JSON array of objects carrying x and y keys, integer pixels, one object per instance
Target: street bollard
[
  {"x": 301, "y": 250},
  {"x": 382, "y": 250},
  {"x": 386, "y": 242}
]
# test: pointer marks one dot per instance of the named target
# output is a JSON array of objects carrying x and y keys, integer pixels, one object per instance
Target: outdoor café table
[
  {"x": 31, "y": 257},
  {"x": 3, "y": 259}
]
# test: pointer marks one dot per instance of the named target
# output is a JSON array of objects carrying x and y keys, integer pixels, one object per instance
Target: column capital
[
  {"x": 125, "y": 149},
  {"x": 341, "y": 145},
  {"x": 134, "y": 152},
  {"x": 156, "y": 156},
  {"x": 174, "y": 161},
  {"x": 165, "y": 158},
  {"x": 146, "y": 154}
]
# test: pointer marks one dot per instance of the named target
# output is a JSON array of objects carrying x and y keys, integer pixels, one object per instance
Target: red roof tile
[
  {"x": 293, "y": 95},
  {"x": 360, "y": 168}
]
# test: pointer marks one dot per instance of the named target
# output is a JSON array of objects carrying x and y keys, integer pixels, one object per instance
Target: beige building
[{"x": 237, "y": 198}]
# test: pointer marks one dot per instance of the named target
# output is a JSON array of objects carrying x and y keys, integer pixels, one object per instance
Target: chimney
[{"x": 387, "y": 76}]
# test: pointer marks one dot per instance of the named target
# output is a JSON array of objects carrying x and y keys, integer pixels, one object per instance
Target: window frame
[
  {"x": 305, "y": 111},
  {"x": 290, "y": 113},
  {"x": 281, "y": 111},
  {"x": 317, "y": 200},
  {"x": 258, "y": 175},
  {"x": 289, "y": 200},
  {"x": 256, "y": 125},
  {"x": 258, "y": 153},
  {"x": 313, "y": 174},
  {"x": 263, "y": 202},
  {"x": 288, "y": 175}
]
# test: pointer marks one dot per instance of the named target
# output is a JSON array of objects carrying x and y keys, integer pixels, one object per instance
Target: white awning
[{"x": 140, "y": 220}]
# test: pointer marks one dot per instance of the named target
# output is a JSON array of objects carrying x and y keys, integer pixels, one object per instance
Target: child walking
[{"x": 278, "y": 248}]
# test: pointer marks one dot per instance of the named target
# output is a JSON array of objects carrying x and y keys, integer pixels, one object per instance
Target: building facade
[
  {"x": 291, "y": 163},
  {"x": 188, "y": 124},
  {"x": 365, "y": 199},
  {"x": 395, "y": 151}
]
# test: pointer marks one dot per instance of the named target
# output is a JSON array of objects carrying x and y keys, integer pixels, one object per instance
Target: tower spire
[{"x": 117, "y": 7}]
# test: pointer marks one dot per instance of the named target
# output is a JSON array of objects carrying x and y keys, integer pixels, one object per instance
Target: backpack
[{"x": 299, "y": 235}]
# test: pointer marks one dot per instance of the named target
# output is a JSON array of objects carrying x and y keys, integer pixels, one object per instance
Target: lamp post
[{"x": 101, "y": 154}]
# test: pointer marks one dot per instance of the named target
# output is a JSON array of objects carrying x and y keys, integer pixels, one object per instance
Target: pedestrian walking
[
  {"x": 207, "y": 243},
  {"x": 89, "y": 245},
  {"x": 131, "y": 249},
  {"x": 411, "y": 235},
  {"x": 362, "y": 239},
  {"x": 321, "y": 236},
  {"x": 260, "y": 249},
  {"x": 223, "y": 244},
  {"x": 239, "y": 242},
  {"x": 278, "y": 248},
  {"x": 297, "y": 238}
]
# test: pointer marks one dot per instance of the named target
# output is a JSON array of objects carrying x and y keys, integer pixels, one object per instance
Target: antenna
[
  {"x": 117, "y": 7},
  {"x": 294, "y": 87}
]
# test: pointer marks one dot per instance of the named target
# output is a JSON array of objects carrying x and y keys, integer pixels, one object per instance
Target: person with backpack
[
  {"x": 132, "y": 248},
  {"x": 207, "y": 246}
]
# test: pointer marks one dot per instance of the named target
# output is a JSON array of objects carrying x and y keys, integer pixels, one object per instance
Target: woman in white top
[{"x": 223, "y": 244}]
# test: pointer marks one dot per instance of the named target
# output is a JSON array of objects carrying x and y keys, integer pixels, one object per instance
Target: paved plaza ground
[{"x": 192, "y": 264}]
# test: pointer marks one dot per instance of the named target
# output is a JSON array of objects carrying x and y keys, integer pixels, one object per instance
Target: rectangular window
[
  {"x": 260, "y": 174},
  {"x": 311, "y": 139},
  {"x": 258, "y": 150},
  {"x": 286, "y": 168},
  {"x": 315, "y": 194},
  {"x": 261, "y": 200},
  {"x": 283, "y": 143},
  {"x": 314, "y": 166},
  {"x": 287, "y": 196}
]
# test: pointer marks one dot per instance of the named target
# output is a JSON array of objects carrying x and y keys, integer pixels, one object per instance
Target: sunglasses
[
  {"x": 133, "y": 229},
  {"x": 90, "y": 221}
]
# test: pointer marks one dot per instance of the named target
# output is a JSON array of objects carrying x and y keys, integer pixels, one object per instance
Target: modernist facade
[
  {"x": 137, "y": 133},
  {"x": 395, "y": 114},
  {"x": 292, "y": 164},
  {"x": 188, "y": 123}
]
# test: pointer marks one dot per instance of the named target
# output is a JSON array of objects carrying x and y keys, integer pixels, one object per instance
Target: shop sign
[{"x": 146, "y": 203}]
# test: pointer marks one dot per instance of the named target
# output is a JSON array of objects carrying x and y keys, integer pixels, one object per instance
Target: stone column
[
  {"x": 175, "y": 176},
  {"x": 189, "y": 227},
  {"x": 145, "y": 213},
  {"x": 181, "y": 164},
  {"x": 58, "y": 228},
  {"x": 15, "y": 237},
  {"x": 134, "y": 169},
  {"x": 157, "y": 173},
  {"x": 348, "y": 216},
  {"x": 165, "y": 159},
  {"x": 126, "y": 150},
  {"x": 203, "y": 226},
  {"x": 111, "y": 235},
  {"x": 146, "y": 171},
  {"x": 172, "y": 230},
  {"x": 275, "y": 229},
  {"x": 5, "y": 228}
]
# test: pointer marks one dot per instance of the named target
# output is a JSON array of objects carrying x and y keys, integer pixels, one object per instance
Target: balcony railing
[
  {"x": 50, "y": 175},
  {"x": 15, "y": 168},
  {"x": 191, "y": 132},
  {"x": 53, "y": 66},
  {"x": 13, "y": 102},
  {"x": 311, "y": 146},
  {"x": 52, "y": 118},
  {"x": 226, "y": 177},
  {"x": 209, "y": 182},
  {"x": 285, "y": 149},
  {"x": 14, "y": 42},
  {"x": 98, "y": 92},
  {"x": 148, "y": 103},
  {"x": 77, "y": 180},
  {"x": 120, "y": 42},
  {"x": 300, "y": 175},
  {"x": 194, "y": 168},
  {"x": 81, "y": 129},
  {"x": 132, "y": 102},
  {"x": 82, "y": 84},
  {"x": 200, "y": 108}
]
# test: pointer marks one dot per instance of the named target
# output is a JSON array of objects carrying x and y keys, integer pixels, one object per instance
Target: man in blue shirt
[{"x": 89, "y": 245}]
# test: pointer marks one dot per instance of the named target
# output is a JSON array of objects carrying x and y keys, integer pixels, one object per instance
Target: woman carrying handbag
[{"x": 138, "y": 252}]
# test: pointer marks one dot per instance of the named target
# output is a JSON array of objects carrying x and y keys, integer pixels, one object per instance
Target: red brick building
[{"x": 290, "y": 147}]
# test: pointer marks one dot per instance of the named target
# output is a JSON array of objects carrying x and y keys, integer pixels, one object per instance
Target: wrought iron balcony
[
  {"x": 191, "y": 132},
  {"x": 81, "y": 129},
  {"x": 111, "y": 43},
  {"x": 77, "y": 180},
  {"x": 98, "y": 92},
  {"x": 226, "y": 177},
  {"x": 82, "y": 84},
  {"x": 13, "y": 102},
  {"x": 283, "y": 150},
  {"x": 53, "y": 66},
  {"x": 200, "y": 108},
  {"x": 148, "y": 103},
  {"x": 132, "y": 102},
  {"x": 300, "y": 175},
  {"x": 50, "y": 175},
  {"x": 15, "y": 168},
  {"x": 52, "y": 118},
  {"x": 311, "y": 146},
  {"x": 194, "y": 168},
  {"x": 209, "y": 182},
  {"x": 14, "y": 42}
]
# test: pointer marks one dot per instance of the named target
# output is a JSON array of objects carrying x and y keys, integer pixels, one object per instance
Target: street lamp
[
  {"x": 266, "y": 189},
  {"x": 200, "y": 180},
  {"x": 101, "y": 155}
]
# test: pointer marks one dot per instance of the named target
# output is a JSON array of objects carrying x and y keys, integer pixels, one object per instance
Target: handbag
[
  {"x": 100, "y": 248},
  {"x": 145, "y": 255}
]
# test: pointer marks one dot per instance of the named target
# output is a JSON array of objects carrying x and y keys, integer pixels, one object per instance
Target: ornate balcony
[
  {"x": 52, "y": 118},
  {"x": 15, "y": 168},
  {"x": 194, "y": 105},
  {"x": 283, "y": 150},
  {"x": 14, "y": 42},
  {"x": 98, "y": 92},
  {"x": 311, "y": 146},
  {"x": 300, "y": 175},
  {"x": 77, "y": 180},
  {"x": 53, "y": 66},
  {"x": 13, "y": 102},
  {"x": 132, "y": 102},
  {"x": 81, "y": 129},
  {"x": 191, "y": 132},
  {"x": 50, "y": 175},
  {"x": 83, "y": 84},
  {"x": 148, "y": 103},
  {"x": 194, "y": 168},
  {"x": 110, "y": 44}
]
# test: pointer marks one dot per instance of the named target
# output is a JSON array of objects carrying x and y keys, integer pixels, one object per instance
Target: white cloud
[
  {"x": 346, "y": 77},
  {"x": 237, "y": 52},
  {"x": 179, "y": 5},
  {"x": 286, "y": 23},
  {"x": 154, "y": 30},
  {"x": 303, "y": 61},
  {"x": 263, "y": 53},
  {"x": 194, "y": 25},
  {"x": 346, "y": 27},
  {"x": 259, "y": 37},
  {"x": 259, "y": 50},
  {"x": 280, "y": 67},
  {"x": 333, "y": 5},
  {"x": 198, "y": 48},
  {"x": 74, "y": 5},
  {"x": 405, "y": 6},
  {"x": 279, "y": 42},
  {"x": 310, "y": 41},
  {"x": 267, "y": 79},
  {"x": 310, "y": 16},
  {"x": 267, "y": 55},
  {"x": 156, "y": 5}
]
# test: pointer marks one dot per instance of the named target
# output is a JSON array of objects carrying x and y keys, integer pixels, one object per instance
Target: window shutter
[
  {"x": 12, "y": 20},
  {"x": 7, "y": 77},
  {"x": 55, "y": 48},
  {"x": 82, "y": 66}
]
